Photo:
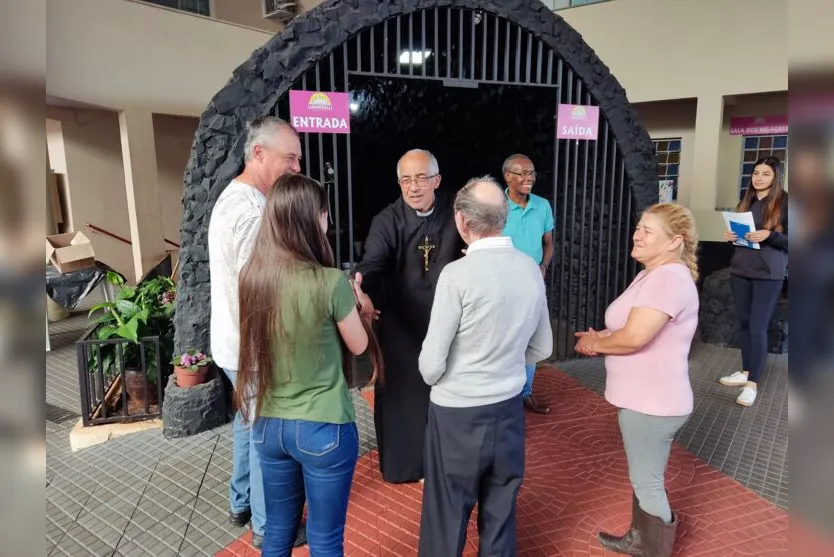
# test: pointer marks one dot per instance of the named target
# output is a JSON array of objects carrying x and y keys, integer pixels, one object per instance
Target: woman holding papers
[{"x": 757, "y": 275}]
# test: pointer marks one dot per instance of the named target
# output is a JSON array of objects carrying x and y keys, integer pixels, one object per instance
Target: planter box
[{"x": 109, "y": 392}]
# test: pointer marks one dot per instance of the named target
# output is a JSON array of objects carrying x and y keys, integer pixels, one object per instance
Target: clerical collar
[{"x": 422, "y": 214}]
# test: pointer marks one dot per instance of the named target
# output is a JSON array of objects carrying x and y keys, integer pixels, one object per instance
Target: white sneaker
[
  {"x": 738, "y": 379},
  {"x": 747, "y": 396}
]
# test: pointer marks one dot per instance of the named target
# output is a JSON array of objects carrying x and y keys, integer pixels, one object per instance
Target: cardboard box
[{"x": 70, "y": 252}]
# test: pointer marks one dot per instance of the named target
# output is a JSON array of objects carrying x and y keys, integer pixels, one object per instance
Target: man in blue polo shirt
[{"x": 530, "y": 225}]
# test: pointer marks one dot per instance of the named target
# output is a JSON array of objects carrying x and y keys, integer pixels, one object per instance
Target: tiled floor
[
  {"x": 147, "y": 495},
  {"x": 576, "y": 483}
]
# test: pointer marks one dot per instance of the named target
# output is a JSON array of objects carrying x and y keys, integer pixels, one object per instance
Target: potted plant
[
  {"x": 190, "y": 368},
  {"x": 141, "y": 317}
]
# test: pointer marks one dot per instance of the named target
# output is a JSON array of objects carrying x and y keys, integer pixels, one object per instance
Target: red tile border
[{"x": 576, "y": 484}]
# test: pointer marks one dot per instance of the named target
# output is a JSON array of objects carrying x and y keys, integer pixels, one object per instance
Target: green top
[{"x": 310, "y": 384}]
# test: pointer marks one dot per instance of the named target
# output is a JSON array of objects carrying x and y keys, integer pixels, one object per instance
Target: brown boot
[
  {"x": 629, "y": 543},
  {"x": 658, "y": 537}
]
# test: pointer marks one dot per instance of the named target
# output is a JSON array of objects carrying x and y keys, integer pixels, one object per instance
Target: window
[
  {"x": 200, "y": 7},
  {"x": 755, "y": 147},
  {"x": 668, "y": 155}
]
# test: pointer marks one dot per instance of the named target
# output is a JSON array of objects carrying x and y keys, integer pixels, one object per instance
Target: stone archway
[{"x": 259, "y": 84}]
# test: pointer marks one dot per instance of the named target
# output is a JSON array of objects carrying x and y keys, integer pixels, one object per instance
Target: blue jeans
[
  {"x": 298, "y": 456},
  {"x": 528, "y": 386},
  {"x": 246, "y": 485}
]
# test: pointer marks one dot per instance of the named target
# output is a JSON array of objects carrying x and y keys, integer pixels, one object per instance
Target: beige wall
[
  {"x": 658, "y": 49},
  {"x": 250, "y": 13},
  {"x": 245, "y": 12},
  {"x": 730, "y": 146},
  {"x": 95, "y": 179},
  {"x": 811, "y": 42},
  {"x": 141, "y": 56},
  {"x": 678, "y": 49},
  {"x": 174, "y": 136},
  {"x": 669, "y": 120}
]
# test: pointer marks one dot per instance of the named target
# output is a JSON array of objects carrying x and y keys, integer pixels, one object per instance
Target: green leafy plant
[
  {"x": 192, "y": 360},
  {"x": 136, "y": 313}
]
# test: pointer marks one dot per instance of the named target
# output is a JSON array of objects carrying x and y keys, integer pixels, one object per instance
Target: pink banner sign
[
  {"x": 320, "y": 112},
  {"x": 575, "y": 121},
  {"x": 759, "y": 125}
]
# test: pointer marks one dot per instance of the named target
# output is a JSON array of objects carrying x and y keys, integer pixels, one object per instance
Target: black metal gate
[{"x": 464, "y": 48}]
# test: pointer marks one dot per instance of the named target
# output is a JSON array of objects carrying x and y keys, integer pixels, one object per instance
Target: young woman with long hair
[
  {"x": 757, "y": 276},
  {"x": 299, "y": 334}
]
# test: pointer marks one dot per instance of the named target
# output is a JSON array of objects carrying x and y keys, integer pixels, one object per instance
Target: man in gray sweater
[{"x": 489, "y": 318}]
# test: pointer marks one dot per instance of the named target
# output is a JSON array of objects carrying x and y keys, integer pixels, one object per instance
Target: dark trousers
[
  {"x": 472, "y": 455},
  {"x": 755, "y": 301}
]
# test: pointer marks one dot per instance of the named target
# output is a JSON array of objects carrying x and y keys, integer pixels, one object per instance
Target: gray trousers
[{"x": 648, "y": 441}]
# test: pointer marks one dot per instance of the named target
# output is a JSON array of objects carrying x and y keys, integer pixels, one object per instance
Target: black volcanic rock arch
[{"x": 598, "y": 187}]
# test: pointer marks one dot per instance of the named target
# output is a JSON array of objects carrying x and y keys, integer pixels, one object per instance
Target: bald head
[
  {"x": 483, "y": 206},
  {"x": 513, "y": 160}
]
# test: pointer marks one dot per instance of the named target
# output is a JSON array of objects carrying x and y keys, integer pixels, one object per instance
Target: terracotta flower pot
[
  {"x": 187, "y": 378},
  {"x": 135, "y": 387}
]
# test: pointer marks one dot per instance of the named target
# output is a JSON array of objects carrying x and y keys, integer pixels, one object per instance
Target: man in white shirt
[
  {"x": 489, "y": 318},
  {"x": 272, "y": 149}
]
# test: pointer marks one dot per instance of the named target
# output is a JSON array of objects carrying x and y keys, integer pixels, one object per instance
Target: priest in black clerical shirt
[{"x": 408, "y": 244}]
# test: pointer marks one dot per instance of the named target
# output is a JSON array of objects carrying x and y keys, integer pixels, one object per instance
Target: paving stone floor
[
  {"x": 147, "y": 495},
  {"x": 575, "y": 484}
]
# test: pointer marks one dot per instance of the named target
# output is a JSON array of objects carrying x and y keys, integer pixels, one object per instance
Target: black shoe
[
  {"x": 301, "y": 534},
  {"x": 240, "y": 519},
  {"x": 257, "y": 541}
]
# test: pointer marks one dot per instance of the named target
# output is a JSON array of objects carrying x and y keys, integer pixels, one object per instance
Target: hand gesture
[
  {"x": 757, "y": 236},
  {"x": 585, "y": 342},
  {"x": 366, "y": 306},
  {"x": 730, "y": 236}
]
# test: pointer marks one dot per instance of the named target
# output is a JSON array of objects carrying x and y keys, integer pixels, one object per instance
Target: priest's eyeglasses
[{"x": 421, "y": 181}]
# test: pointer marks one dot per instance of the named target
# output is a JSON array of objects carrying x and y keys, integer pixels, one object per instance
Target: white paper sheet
[{"x": 741, "y": 224}]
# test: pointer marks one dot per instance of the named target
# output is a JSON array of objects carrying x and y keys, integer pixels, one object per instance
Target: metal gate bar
[{"x": 595, "y": 220}]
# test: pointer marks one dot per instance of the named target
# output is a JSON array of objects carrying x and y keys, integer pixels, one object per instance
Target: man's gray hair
[
  {"x": 511, "y": 158},
  {"x": 483, "y": 218},
  {"x": 261, "y": 131},
  {"x": 434, "y": 168}
]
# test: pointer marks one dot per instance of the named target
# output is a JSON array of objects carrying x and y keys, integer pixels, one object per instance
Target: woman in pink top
[{"x": 649, "y": 331}]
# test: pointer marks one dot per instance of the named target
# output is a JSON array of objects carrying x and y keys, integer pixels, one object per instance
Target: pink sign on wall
[
  {"x": 575, "y": 121},
  {"x": 759, "y": 125},
  {"x": 320, "y": 112}
]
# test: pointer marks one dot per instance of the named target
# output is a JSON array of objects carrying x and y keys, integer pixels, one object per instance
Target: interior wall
[
  {"x": 173, "y": 136},
  {"x": 56, "y": 160},
  {"x": 669, "y": 120},
  {"x": 94, "y": 175},
  {"x": 95, "y": 181}
]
